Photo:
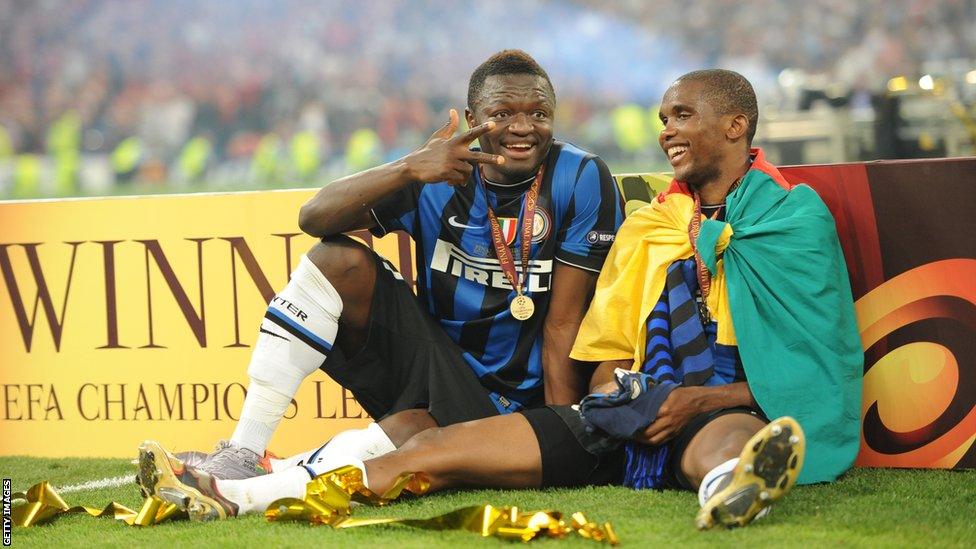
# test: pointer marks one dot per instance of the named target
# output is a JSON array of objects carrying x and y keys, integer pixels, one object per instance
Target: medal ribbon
[
  {"x": 694, "y": 229},
  {"x": 501, "y": 248}
]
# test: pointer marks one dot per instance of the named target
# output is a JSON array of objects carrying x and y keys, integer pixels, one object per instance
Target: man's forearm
[
  {"x": 731, "y": 395},
  {"x": 565, "y": 380},
  {"x": 604, "y": 375},
  {"x": 345, "y": 204}
]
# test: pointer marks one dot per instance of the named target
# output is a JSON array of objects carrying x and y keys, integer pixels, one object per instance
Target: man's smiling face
[
  {"x": 522, "y": 107},
  {"x": 694, "y": 133}
]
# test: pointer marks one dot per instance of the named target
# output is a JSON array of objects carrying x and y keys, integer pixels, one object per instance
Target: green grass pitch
[{"x": 866, "y": 508}]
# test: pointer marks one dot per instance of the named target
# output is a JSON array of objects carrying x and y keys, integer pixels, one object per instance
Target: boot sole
[
  {"x": 158, "y": 477},
  {"x": 768, "y": 468}
]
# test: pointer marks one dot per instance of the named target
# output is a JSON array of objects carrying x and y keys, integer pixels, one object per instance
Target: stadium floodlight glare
[
  {"x": 898, "y": 84},
  {"x": 926, "y": 82},
  {"x": 971, "y": 77},
  {"x": 789, "y": 78}
]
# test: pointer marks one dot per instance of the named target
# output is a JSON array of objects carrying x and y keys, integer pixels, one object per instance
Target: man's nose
[
  {"x": 668, "y": 132},
  {"x": 520, "y": 124}
]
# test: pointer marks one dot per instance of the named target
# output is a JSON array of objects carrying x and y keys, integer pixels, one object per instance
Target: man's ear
[
  {"x": 469, "y": 117},
  {"x": 738, "y": 127}
]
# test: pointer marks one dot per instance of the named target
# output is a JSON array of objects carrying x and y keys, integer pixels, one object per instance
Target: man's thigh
[{"x": 406, "y": 361}]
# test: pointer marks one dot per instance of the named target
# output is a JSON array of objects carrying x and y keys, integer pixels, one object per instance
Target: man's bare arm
[
  {"x": 681, "y": 405},
  {"x": 565, "y": 379},
  {"x": 603, "y": 380},
  {"x": 344, "y": 205},
  {"x": 685, "y": 403}
]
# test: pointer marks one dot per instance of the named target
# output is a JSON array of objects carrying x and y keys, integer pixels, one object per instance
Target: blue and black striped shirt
[{"x": 460, "y": 280}]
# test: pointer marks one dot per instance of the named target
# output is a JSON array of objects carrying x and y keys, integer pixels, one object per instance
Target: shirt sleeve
[
  {"x": 397, "y": 212},
  {"x": 595, "y": 212}
]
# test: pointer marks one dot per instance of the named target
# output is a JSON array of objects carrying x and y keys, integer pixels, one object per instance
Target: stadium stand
[{"x": 258, "y": 93}]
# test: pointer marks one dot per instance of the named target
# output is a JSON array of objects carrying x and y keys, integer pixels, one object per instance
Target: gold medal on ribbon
[{"x": 522, "y": 307}]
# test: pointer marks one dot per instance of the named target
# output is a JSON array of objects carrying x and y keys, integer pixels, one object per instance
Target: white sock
[
  {"x": 318, "y": 465},
  {"x": 713, "y": 480},
  {"x": 254, "y": 495},
  {"x": 262, "y": 411},
  {"x": 296, "y": 460},
  {"x": 296, "y": 336},
  {"x": 361, "y": 444}
]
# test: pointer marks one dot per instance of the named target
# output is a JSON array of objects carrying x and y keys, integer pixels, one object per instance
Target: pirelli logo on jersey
[{"x": 450, "y": 259}]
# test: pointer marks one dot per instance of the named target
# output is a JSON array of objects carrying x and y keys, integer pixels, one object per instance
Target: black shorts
[
  {"x": 573, "y": 457},
  {"x": 570, "y": 455},
  {"x": 407, "y": 361}
]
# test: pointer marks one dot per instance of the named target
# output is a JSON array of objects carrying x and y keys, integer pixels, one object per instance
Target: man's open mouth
[
  {"x": 519, "y": 150},
  {"x": 676, "y": 153}
]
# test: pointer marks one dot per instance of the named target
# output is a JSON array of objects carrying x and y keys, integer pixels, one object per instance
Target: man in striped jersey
[
  {"x": 683, "y": 394},
  {"x": 509, "y": 241}
]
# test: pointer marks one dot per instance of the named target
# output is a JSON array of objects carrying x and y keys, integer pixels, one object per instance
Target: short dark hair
[
  {"x": 729, "y": 92},
  {"x": 504, "y": 62}
]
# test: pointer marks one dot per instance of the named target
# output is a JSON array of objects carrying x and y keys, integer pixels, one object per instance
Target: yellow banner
[{"x": 123, "y": 319}]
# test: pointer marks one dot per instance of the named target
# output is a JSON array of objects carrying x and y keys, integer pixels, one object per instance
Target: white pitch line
[{"x": 112, "y": 482}]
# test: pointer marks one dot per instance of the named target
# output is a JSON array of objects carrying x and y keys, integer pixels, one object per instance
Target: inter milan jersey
[{"x": 460, "y": 280}]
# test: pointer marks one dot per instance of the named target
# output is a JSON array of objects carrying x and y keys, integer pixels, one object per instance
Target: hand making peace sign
[{"x": 446, "y": 157}]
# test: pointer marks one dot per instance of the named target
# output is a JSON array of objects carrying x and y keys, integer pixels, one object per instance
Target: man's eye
[
  {"x": 502, "y": 114},
  {"x": 541, "y": 115},
  {"x": 684, "y": 116}
]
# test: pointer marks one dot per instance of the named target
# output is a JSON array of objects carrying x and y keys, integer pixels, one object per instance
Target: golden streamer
[
  {"x": 329, "y": 496},
  {"x": 328, "y": 500},
  {"x": 41, "y": 503},
  {"x": 509, "y": 523}
]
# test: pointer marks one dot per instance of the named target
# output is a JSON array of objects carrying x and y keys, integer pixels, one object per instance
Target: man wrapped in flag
[
  {"x": 723, "y": 303},
  {"x": 729, "y": 299}
]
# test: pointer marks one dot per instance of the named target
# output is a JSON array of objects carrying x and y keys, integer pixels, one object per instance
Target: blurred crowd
[
  {"x": 184, "y": 84},
  {"x": 861, "y": 43}
]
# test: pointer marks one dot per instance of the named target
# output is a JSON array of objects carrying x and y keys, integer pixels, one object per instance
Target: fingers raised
[
  {"x": 475, "y": 132},
  {"x": 484, "y": 158},
  {"x": 447, "y": 130}
]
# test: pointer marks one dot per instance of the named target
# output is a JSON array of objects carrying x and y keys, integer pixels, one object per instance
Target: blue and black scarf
[{"x": 681, "y": 350}]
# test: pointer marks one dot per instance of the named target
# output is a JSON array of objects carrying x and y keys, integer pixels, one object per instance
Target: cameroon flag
[{"x": 780, "y": 292}]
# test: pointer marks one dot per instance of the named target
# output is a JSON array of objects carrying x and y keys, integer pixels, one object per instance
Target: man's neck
[
  {"x": 715, "y": 190},
  {"x": 509, "y": 190},
  {"x": 498, "y": 179}
]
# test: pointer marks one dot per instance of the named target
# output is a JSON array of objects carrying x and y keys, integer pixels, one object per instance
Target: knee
[
  {"x": 719, "y": 441},
  {"x": 342, "y": 259},
  {"x": 426, "y": 440},
  {"x": 403, "y": 426},
  {"x": 697, "y": 462}
]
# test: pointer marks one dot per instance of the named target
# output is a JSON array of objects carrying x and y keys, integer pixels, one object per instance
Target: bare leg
[
  {"x": 720, "y": 440},
  {"x": 402, "y": 426},
  {"x": 499, "y": 451}
]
